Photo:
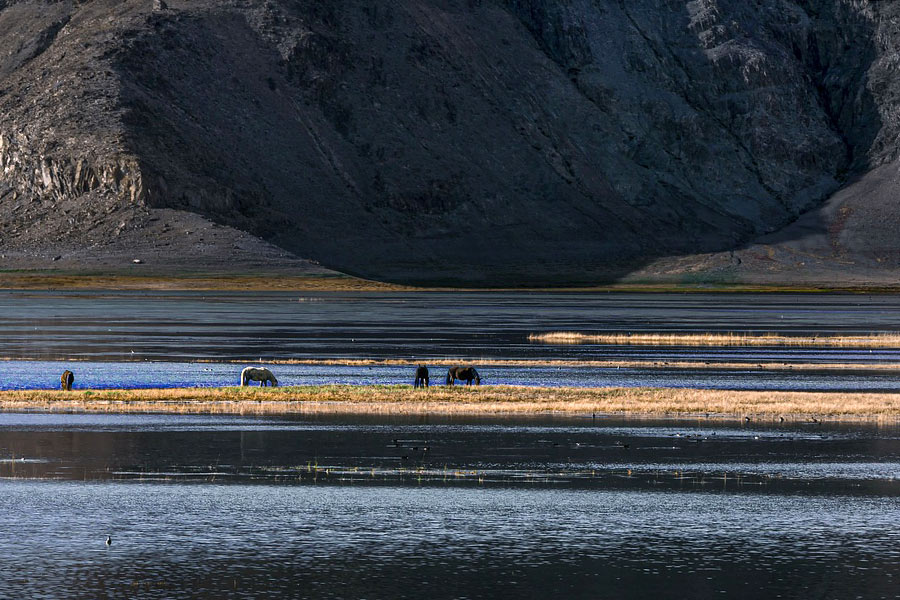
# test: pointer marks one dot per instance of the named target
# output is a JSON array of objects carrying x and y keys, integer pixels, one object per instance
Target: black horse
[
  {"x": 421, "y": 376},
  {"x": 67, "y": 379},
  {"x": 467, "y": 374}
]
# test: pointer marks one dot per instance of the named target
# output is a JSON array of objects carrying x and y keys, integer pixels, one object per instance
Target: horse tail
[{"x": 449, "y": 378}]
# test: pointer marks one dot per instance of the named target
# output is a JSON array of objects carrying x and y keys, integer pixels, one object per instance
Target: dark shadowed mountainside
[{"x": 477, "y": 141}]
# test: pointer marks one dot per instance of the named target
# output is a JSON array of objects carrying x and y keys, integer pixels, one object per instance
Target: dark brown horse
[
  {"x": 421, "y": 376},
  {"x": 467, "y": 374},
  {"x": 68, "y": 377}
]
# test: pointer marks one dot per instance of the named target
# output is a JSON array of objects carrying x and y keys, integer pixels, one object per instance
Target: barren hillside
[{"x": 479, "y": 141}]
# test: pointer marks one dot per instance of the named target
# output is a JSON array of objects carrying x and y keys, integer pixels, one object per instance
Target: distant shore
[
  {"x": 764, "y": 406},
  {"x": 27, "y": 280},
  {"x": 263, "y": 282}
]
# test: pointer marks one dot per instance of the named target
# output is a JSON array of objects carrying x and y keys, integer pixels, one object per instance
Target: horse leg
[{"x": 426, "y": 382}]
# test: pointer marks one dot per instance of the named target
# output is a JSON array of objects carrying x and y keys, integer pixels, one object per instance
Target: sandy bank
[{"x": 762, "y": 406}]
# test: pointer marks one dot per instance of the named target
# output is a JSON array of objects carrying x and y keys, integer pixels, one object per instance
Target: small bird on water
[{"x": 108, "y": 541}]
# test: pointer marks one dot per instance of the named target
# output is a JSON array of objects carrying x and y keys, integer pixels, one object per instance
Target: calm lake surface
[
  {"x": 215, "y": 507},
  {"x": 145, "y": 339},
  {"x": 233, "y": 326},
  {"x": 413, "y": 507}
]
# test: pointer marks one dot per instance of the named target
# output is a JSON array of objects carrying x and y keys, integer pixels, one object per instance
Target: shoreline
[
  {"x": 62, "y": 280},
  {"x": 766, "y": 406}
]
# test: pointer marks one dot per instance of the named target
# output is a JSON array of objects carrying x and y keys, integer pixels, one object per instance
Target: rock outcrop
[{"x": 478, "y": 141}]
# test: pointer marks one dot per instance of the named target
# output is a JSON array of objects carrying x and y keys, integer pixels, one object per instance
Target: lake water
[
  {"x": 437, "y": 507},
  {"x": 424, "y": 325},
  {"x": 153, "y": 374},
  {"x": 145, "y": 339},
  {"x": 216, "y": 507}
]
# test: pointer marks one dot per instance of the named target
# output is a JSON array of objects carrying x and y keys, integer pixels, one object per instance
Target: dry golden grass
[
  {"x": 461, "y": 400},
  {"x": 872, "y": 340}
]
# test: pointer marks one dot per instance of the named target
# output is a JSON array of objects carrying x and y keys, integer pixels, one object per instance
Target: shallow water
[
  {"x": 530, "y": 507},
  {"x": 16, "y": 375},
  {"x": 145, "y": 339}
]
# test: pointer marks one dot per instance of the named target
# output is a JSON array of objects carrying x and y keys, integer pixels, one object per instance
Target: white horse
[{"x": 263, "y": 376}]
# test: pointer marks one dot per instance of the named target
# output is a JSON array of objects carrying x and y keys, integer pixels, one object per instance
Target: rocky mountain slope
[{"x": 484, "y": 141}]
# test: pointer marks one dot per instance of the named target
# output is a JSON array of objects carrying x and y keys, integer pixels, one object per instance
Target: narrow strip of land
[
  {"x": 271, "y": 283},
  {"x": 870, "y": 340},
  {"x": 600, "y": 364},
  {"x": 560, "y": 363},
  {"x": 51, "y": 279},
  {"x": 793, "y": 406}
]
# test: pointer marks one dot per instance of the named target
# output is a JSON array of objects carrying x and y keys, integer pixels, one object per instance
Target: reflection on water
[
  {"x": 215, "y": 541},
  {"x": 574, "y": 452},
  {"x": 566, "y": 507},
  {"x": 129, "y": 375},
  {"x": 191, "y": 325},
  {"x": 211, "y": 507}
]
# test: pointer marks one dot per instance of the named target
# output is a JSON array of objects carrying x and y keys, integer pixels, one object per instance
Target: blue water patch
[{"x": 22, "y": 375}]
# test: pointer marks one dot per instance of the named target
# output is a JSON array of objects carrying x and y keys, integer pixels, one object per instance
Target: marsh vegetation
[
  {"x": 871, "y": 340},
  {"x": 403, "y": 399}
]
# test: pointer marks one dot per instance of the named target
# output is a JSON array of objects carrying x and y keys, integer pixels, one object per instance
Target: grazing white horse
[{"x": 263, "y": 376}]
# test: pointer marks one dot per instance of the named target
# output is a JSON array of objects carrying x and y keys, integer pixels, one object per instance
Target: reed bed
[
  {"x": 871, "y": 340},
  {"x": 485, "y": 400}
]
